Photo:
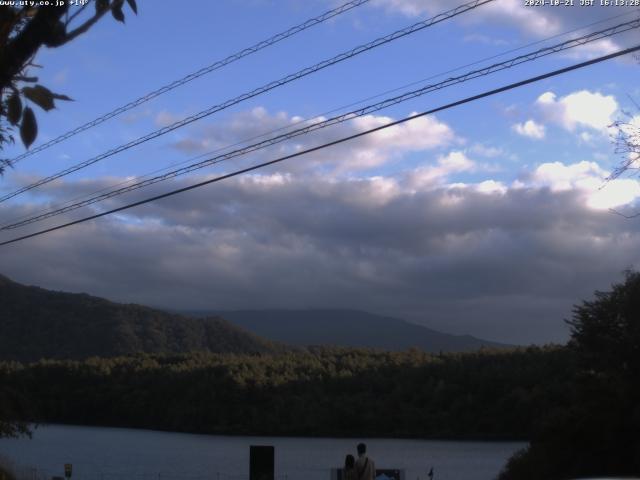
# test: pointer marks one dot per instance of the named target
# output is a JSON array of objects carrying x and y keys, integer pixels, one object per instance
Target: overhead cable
[
  {"x": 312, "y": 22},
  {"x": 321, "y": 115},
  {"x": 573, "y": 43},
  {"x": 470, "y": 99},
  {"x": 258, "y": 91}
]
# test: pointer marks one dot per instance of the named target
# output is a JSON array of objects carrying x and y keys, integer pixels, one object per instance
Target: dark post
[{"x": 261, "y": 462}]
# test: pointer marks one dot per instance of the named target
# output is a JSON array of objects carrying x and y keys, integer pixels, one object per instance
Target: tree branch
[
  {"x": 90, "y": 22},
  {"x": 616, "y": 212},
  {"x": 43, "y": 29},
  {"x": 78, "y": 12}
]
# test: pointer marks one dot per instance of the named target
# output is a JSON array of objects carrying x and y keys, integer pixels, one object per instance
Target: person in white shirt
[{"x": 365, "y": 467}]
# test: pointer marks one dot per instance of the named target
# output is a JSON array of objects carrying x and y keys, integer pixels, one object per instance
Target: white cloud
[
  {"x": 614, "y": 194},
  {"x": 419, "y": 134},
  {"x": 588, "y": 178},
  {"x": 491, "y": 187},
  {"x": 530, "y": 129},
  {"x": 586, "y": 137},
  {"x": 531, "y": 21},
  {"x": 593, "y": 49},
  {"x": 368, "y": 152},
  {"x": 559, "y": 177},
  {"x": 454, "y": 162},
  {"x": 582, "y": 108},
  {"x": 486, "y": 151}
]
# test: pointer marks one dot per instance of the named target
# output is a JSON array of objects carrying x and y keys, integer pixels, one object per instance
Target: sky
[{"x": 491, "y": 218}]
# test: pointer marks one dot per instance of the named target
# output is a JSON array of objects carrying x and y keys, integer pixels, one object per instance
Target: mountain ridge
[
  {"x": 347, "y": 328},
  {"x": 37, "y": 323}
]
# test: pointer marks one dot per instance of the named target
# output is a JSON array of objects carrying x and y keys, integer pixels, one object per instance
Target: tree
[
  {"x": 605, "y": 332},
  {"x": 627, "y": 145},
  {"x": 23, "y": 31},
  {"x": 14, "y": 408},
  {"x": 627, "y": 142},
  {"x": 597, "y": 433}
]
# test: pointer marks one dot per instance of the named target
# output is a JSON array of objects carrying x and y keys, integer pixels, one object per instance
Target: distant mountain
[
  {"x": 350, "y": 328},
  {"x": 37, "y": 323}
]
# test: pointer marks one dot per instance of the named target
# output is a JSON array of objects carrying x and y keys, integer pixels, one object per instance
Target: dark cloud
[{"x": 505, "y": 266}]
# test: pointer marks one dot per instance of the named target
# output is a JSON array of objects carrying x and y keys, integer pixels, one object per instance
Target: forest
[{"x": 321, "y": 391}]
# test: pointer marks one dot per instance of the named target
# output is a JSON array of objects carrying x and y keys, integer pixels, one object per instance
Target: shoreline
[{"x": 435, "y": 438}]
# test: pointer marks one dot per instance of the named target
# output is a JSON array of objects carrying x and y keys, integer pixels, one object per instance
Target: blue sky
[{"x": 486, "y": 219}]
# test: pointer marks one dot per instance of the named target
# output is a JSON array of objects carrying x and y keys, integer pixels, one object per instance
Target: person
[
  {"x": 365, "y": 467},
  {"x": 349, "y": 471}
]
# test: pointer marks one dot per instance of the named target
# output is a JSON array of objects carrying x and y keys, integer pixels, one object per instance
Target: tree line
[{"x": 319, "y": 391}]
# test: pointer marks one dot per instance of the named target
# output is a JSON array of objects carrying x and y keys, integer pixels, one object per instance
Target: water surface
[{"x": 99, "y": 453}]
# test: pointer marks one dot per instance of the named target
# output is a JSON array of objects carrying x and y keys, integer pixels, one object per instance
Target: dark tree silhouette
[
  {"x": 605, "y": 332},
  {"x": 597, "y": 433}
]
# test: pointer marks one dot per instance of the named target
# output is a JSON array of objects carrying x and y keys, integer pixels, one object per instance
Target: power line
[
  {"x": 312, "y": 22},
  {"x": 258, "y": 91},
  {"x": 473, "y": 98},
  {"x": 57, "y": 208},
  {"x": 573, "y": 43}
]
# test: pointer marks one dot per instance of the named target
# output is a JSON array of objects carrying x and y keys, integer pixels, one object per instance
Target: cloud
[
  {"x": 617, "y": 193},
  {"x": 491, "y": 187},
  {"x": 579, "y": 109},
  {"x": 530, "y": 129},
  {"x": 500, "y": 261},
  {"x": 161, "y": 119},
  {"x": 454, "y": 162},
  {"x": 560, "y": 177},
  {"x": 487, "y": 151},
  {"x": 535, "y": 22},
  {"x": 370, "y": 151},
  {"x": 593, "y": 49},
  {"x": 589, "y": 179},
  {"x": 485, "y": 39},
  {"x": 586, "y": 137},
  {"x": 165, "y": 118},
  {"x": 501, "y": 11}
]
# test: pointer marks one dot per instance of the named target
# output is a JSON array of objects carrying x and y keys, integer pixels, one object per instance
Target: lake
[{"x": 117, "y": 453}]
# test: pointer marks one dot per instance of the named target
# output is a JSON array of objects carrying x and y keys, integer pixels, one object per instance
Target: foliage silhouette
[
  {"x": 597, "y": 433},
  {"x": 319, "y": 391}
]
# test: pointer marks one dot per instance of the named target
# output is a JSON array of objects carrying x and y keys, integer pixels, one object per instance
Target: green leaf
[
  {"x": 116, "y": 11},
  {"x": 14, "y": 109},
  {"x": 41, "y": 96},
  {"x": 134, "y": 7},
  {"x": 28, "y": 127}
]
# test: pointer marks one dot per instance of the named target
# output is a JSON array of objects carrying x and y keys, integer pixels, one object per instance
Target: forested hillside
[
  {"x": 36, "y": 323},
  {"x": 322, "y": 391}
]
